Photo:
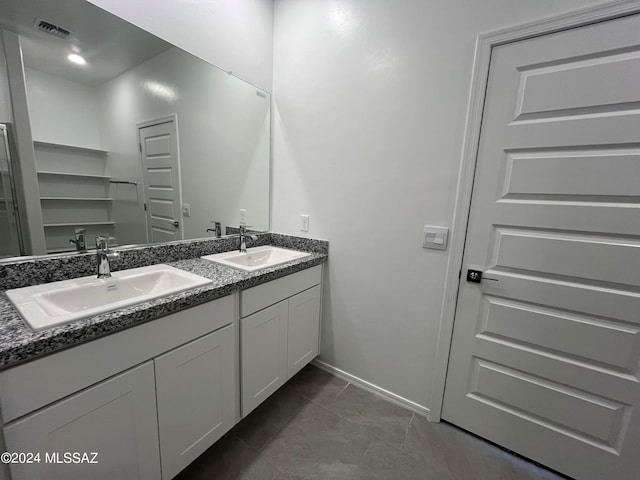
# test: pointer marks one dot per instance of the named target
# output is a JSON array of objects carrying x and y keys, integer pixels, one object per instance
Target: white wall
[
  {"x": 62, "y": 111},
  {"x": 223, "y": 141},
  {"x": 370, "y": 109},
  {"x": 235, "y": 35},
  {"x": 8, "y": 238},
  {"x": 5, "y": 100},
  {"x": 25, "y": 172}
]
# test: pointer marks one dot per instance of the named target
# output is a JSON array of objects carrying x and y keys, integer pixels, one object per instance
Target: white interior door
[
  {"x": 545, "y": 355},
  {"x": 161, "y": 177}
]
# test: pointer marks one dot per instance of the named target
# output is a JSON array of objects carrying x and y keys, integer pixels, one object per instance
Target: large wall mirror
[{"x": 132, "y": 137}]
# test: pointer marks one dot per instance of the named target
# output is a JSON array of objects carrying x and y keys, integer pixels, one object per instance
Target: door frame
[
  {"x": 171, "y": 117},
  {"x": 5, "y": 139},
  {"x": 466, "y": 173}
]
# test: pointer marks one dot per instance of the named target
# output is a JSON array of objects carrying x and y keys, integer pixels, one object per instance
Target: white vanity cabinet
[
  {"x": 114, "y": 423},
  {"x": 264, "y": 354},
  {"x": 279, "y": 333},
  {"x": 157, "y": 394},
  {"x": 303, "y": 329},
  {"x": 149, "y": 400},
  {"x": 196, "y": 388}
]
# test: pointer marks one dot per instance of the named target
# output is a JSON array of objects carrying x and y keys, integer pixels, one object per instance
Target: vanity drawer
[{"x": 261, "y": 296}]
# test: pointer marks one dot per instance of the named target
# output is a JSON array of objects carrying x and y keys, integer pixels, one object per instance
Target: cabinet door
[
  {"x": 196, "y": 392},
  {"x": 116, "y": 419},
  {"x": 303, "y": 329},
  {"x": 264, "y": 354}
]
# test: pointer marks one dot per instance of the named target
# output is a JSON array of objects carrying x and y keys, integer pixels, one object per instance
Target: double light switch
[{"x": 435, "y": 237}]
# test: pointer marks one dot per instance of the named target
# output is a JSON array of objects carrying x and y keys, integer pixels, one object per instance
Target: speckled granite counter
[{"x": 19, "y": 343}]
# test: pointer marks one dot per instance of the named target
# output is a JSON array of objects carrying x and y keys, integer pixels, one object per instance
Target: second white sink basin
[
  {"x": 43, "y": 306},
  {"x": 256, "y": 257}
]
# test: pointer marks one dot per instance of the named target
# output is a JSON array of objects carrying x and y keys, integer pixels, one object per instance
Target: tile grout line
[
  {"x": 259, "y": 454},
  {"x": 283, "y": 426},
  {"x": 364, "y": 454},
  {"x": 278, "y": 471},
  {"x": 342, "y": 391},
  {"x": 325, "y": 407},
  {"x": 406, "y": 432},
  {"x": 373, "y": 435}
]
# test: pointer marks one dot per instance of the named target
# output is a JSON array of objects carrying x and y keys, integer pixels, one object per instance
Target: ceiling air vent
[{"x": 51, "y": 28}]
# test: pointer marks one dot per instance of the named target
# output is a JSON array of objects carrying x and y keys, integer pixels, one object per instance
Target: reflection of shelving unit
[
  {"x": 74, "y": 192},
  {"x": 75, "y": 224},
  {"x": 77, "y": 199},
  {"x": 39, "y": 144},
  {"x": 65, "y": 174}
]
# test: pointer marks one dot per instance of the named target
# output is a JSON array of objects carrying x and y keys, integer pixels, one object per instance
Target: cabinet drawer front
[
  {"x": 116, "y": 418},
  {"x": 304, "y": 329},
  {"x": 33, "y": 385},
  {"x": 261, "y": 296},
  {"x": 264, "y": 354},
  {"x": 196, "y": 394}
]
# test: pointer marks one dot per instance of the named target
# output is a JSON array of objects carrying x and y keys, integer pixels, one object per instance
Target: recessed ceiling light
[{"x": 77, "y": 59}]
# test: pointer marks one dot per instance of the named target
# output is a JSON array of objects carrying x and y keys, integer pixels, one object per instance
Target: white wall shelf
[
  {"x": 66, "y": 174},
  {"x": 76, "y": 224},
  {"x": 69, "y": 147},
  {"x": 74, "y": 192},
  {"x": 79, "y": 199}
]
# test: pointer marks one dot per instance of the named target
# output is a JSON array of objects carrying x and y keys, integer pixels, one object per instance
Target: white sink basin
[
  {"x": 43, "y": 306},
  {"x": 256, "y": 257}
]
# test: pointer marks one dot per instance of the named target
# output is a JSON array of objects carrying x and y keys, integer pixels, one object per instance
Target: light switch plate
[
  {"x": 243, "y": 216},
  {"x": 186, "y": 209},
  {"x": 435, "y": 237}
]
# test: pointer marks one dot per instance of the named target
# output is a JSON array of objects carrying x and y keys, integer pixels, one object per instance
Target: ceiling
[{"x": 109, "y": 44}]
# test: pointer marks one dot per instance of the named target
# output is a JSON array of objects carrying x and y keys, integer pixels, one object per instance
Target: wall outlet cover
[{"x": 304, "y": 223}]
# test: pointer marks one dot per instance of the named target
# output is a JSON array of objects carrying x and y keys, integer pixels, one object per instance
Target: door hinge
[
  {"x": 145, "y": 206},
  {"x": 140, "y": 147},
  {"x": 459, "y": 274}
]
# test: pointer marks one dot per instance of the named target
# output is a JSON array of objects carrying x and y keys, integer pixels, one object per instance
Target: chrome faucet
[
  {"x": 217, "y": 229},
  {"x": 103, "y": 254},
  {"x": 243, "y": 237},
  {"x": 81, "y": 240}
]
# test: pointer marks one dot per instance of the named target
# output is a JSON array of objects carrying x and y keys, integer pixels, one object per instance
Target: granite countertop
[{"x": 19, "y": 343}]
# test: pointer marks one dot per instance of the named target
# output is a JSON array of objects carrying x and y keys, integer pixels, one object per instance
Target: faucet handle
[
  {"x": 80, "y": 240},
  {"x": 217, "y": 228},
  {"x": 102, "y": 242}
]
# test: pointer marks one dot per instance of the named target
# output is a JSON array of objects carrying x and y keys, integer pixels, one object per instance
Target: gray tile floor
[{"x": 320, "y": 427}]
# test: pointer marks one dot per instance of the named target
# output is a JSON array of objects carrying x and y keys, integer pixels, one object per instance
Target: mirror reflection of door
[
  {"x": 161, "y": 177},
  {"x": 10, "y": 241}
]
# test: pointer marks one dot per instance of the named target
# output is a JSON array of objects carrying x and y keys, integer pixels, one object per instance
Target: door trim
[
  {"x": 466, "y": 173},
  {"x": 171, "y": 117}
]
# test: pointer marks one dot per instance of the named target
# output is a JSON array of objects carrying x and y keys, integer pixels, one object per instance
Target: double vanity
[{"x": 189, "y": 346}]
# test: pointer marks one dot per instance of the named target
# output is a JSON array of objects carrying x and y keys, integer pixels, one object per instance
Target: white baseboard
[{"x": 370, "y": 387}]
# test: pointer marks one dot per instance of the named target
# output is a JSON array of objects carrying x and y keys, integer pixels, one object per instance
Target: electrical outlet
[
  {"x": 304, "y": 223},
  {"x": 243, "y": 215}
]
